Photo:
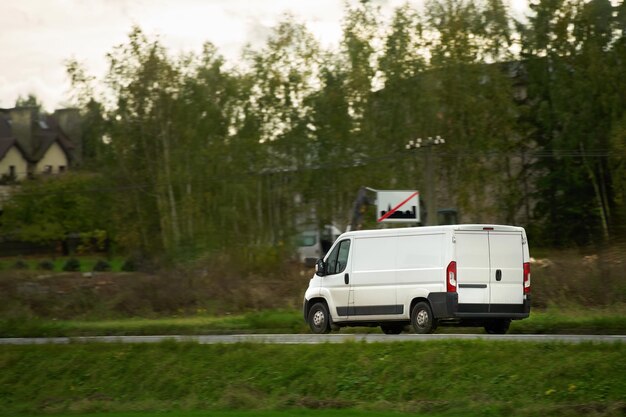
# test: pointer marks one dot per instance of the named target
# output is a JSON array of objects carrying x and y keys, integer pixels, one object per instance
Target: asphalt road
[{"x": 313, "y": 339}]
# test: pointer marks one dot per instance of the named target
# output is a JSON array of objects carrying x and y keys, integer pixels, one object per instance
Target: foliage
[
  {"x": 565, "y": 379},
  {"x": 20, "y": 264},
  {"x": 72, "y": 265},
  {"x": 129, "y": 265},
  {"x": 46, "y": 265},
  {"x": 30, "y": 100},
  {"x": 49, "y": 209},
  {"x": 56, "y": 265},
  {"x": 201, "y": 156},
  {"x": 298, "y": 412},
  {"x": 576, "y": 81},
  {"x": 102, "y": 266}
]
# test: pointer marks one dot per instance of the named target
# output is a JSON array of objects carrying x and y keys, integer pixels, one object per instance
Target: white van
[{"x": 467, "y": 275}]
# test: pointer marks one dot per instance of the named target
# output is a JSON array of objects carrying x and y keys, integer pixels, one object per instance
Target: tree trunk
[{"x": 596, "y": 188}]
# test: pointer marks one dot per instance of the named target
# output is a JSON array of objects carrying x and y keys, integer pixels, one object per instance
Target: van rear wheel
[
  {"x": 392, "y": 328},
  {"x": 422, "y": 319},
  {"x": 319, "y": 319},
  {"x": 497, "y": 326}
]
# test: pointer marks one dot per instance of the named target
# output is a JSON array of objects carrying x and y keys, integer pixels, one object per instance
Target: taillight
[
  {"x": 451, "y": 277},
  {"x": 526, "y": 277}
]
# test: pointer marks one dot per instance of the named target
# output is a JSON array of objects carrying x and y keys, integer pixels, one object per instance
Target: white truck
[{"x": 467, "y": 275}]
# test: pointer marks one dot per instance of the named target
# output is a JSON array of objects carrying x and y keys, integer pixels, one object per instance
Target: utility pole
[{"x": 429, "y": 162}]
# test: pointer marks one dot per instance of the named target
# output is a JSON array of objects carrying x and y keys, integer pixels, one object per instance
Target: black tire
[
  {"x": 392, "y": 328},
  {"x": 319, "y": 318},
  {"x": 497, "y": 326},
  {"x": 422, "y": 319}
]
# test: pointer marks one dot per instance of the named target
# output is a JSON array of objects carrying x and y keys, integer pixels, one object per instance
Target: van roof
[{"x": 433, "y": 229}]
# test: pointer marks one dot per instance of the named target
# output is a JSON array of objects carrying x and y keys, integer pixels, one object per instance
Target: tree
[
  {"x": 30, "y": 100},
  {"x": 576, "y": 80},
  {"x": 285, "y": 73},
  {"x": 48, "y": 210}
]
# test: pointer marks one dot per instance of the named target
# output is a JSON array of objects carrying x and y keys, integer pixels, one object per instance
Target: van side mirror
[{"x": 320, "y": 268}]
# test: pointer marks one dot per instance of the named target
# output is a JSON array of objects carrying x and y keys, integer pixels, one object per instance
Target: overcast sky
[{"x": 37, "y": 36}]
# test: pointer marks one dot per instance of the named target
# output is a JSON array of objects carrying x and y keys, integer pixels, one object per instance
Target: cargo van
[{"x": 466, "y": 275}]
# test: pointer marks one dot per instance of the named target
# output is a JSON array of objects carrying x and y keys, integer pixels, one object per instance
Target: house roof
[
  {"x": 46, "y": 131},
  {"x": 46, "y": 138},
  {"x": 5, "y": 126},
  {"x": 64, "y": 140},
  {"x": 6, "y": 143}
]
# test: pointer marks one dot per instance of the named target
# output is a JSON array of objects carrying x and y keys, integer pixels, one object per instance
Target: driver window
[{"x": 338, "y": 258}]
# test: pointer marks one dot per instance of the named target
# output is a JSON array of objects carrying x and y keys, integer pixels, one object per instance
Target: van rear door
[
  {"x": 489, "y": 271},
  {"x": 472, "y": 262},
  {"x": 507, "y": 269}
]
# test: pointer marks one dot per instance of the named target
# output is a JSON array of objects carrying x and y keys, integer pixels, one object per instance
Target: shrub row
[{"x": 73, "y": 265}]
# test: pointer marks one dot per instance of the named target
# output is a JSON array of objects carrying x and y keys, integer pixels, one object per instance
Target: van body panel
[
  {"x": 373, "y": 278},
  {"x": 419, "y": 259}
]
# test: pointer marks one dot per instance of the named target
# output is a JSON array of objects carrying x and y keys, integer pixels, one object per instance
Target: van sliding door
[{"x": 373, "y": 279}]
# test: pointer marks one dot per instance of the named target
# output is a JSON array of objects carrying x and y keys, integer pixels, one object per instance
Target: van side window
[{"x": 338, "y": 259}]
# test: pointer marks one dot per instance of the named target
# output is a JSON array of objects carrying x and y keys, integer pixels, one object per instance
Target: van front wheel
[
  {"x": 422, "y": 319},
  {"x": 319, "y": 319}
]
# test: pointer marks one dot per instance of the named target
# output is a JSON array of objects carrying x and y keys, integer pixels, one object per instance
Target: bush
[
  {"x": 46, "y": 265},
  {"x": 129, "y": 266},
  {"x": 101, "y": 266},
  {"x": 72, "y": 265},
  {"x": 20, "y": 264}
]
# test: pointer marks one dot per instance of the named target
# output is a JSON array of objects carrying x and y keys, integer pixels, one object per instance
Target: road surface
[{"x": 313, "y": 339}]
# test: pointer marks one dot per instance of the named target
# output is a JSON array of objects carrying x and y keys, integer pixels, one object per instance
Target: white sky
[{"x": 37, "y": 36}]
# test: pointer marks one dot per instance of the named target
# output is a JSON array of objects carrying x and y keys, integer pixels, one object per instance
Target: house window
[
  {"x": 61, "y": 168},
  {"x": 12, "y": 171},
  {"x": 47, "y": 169}
]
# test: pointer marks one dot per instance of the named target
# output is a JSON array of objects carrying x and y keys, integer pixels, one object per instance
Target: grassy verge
[
  {"x": 574, "y": 320},
  {"x": 257, "y": 322},
  {"x": 256, "y": 413},
  {"x": 445, "y": 377},
  {"x": 568, "y": 321}
]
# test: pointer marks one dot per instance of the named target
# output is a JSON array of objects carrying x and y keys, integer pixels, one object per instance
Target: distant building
[{"x": 32, "y": 143}]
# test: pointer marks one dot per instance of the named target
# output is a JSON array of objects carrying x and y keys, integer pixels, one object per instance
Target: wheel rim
[
  {"x": 318, "y": 318},
  {"x": 422, "y": 318}
]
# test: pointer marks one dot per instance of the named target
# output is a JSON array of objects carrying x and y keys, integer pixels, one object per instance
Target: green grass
[
  {"x": 288, "y": 413},
  {"x": 567, "y": 321},
  {"x": 86, "y": 263},
  {"x": 574, "y": 320},
  {"x": 256, "y": 322},
  {"x": 432, "y": 378},
  {"x": 285, "y": 413}
]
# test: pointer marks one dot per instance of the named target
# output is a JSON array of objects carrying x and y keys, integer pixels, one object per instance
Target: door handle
[
  {"x": 498, "y": 275},
  {"x": 346, "y": 278}
]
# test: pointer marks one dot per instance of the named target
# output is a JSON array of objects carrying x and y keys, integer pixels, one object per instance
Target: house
[{"x": 32, "y": 143}]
